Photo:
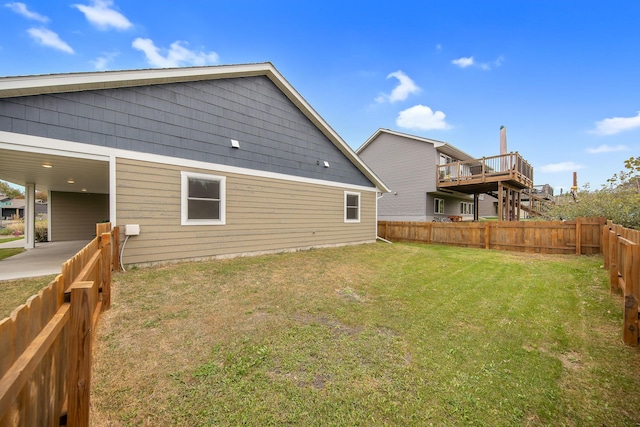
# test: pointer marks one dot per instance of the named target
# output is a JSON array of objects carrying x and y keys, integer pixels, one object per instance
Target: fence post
[
  {"x": 578, "y": 235},
  {"x": 613, "y": 261},
  {"x": 115, "y": 244},
  {"x": 604, "y": 245},
  {"x": 630, "y": 332},
  {"x": 105, "y": 270},
  {"x": 80, "y": 331}
]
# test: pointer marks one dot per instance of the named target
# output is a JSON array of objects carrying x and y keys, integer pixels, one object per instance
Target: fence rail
[
  {"x": 45, "y": 344},
  {"x": 582, "y": 236},
  {"x": 622, "y": 257}
]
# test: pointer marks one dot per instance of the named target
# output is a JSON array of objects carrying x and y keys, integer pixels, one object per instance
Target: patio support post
[
  {"x": 476, "y": 206},
  {"x": 29, "y": 216},
  {"x": 500, "y": 202}
]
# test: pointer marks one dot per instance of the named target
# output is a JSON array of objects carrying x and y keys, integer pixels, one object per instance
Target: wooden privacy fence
[
  {"x": 45, "y": 344},
  {"x": 621, "y": 248},
  {"x": 581, "y": 236}
]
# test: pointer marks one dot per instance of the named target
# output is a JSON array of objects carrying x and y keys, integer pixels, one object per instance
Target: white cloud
[
  {"x": 101, "y": 15},
  {"x": 463, "y": 62},
  {"x": 21, "y": 9},
  {"x": 405, "y": 87},
  {"x": 470, "y": 61},
  {"x": 50, "y": 39},
  {"x": 560, "y": 167},
  {"x": 616, "y": 125},
  {"x": 606, "y": 149},
  {"x": 421, "y": 117},
  {"x": 101, "y": 63},
  {"x": 176, "y": 56}
]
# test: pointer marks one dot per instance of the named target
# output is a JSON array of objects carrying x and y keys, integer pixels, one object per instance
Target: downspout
[{"x": 378, "y": 237}]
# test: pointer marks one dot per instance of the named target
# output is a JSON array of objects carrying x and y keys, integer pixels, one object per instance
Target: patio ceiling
[{"x": 22, "y": 167}]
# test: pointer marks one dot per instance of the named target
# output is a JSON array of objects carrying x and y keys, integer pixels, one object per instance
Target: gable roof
[
  {"x": 443, "y": 147},
  {"x": 75, "y": 82}
]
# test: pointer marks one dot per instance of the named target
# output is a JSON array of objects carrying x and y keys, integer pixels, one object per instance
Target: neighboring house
[
  {"x": 207, "y": 161},
  {"x": 407, "y": 164},
  {"x": 11, "y": 208},
  {"x": 431, "y": 180}
]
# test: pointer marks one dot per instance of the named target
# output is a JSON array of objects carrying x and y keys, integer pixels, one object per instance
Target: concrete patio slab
[{"x": 46, "y": 258}]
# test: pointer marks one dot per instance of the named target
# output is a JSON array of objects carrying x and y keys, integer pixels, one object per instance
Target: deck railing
[{"x": 509, "y": 166}]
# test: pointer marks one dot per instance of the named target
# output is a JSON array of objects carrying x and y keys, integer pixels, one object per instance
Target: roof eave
[{"x": 11, "y": 87}]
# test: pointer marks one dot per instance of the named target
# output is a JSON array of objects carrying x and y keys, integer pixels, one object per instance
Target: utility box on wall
[{"x": 132, "y": 229}]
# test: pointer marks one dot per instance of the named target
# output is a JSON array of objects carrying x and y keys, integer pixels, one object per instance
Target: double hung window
[
  {"x": 351, "y": 207},
  {"x": 202, "y": 199}
]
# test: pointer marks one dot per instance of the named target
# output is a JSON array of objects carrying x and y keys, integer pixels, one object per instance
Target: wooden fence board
[
  {"x": 34, "y": 343},
  {"x": 622, "y": 257},
  {"x": 583, "y": 236}
]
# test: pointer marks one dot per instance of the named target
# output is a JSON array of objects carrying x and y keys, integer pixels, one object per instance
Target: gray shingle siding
[{"x": 194, "y": 120}]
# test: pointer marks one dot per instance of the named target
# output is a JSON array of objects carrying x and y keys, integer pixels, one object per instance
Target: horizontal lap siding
[
  {"x": 262, "y": 215},
  {"x": 74, "y": 215}
]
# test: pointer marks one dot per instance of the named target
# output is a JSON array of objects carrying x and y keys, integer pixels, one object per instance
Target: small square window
[
  {"x": 202, "y": 199},
  {"x": 351, "y": 207}
]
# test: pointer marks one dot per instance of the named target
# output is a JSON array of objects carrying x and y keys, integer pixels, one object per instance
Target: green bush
[{"x": 41, "y": 233}]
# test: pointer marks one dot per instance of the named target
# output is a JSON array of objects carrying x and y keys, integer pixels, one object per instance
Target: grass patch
[
  {"x": 9, "y": 239},
  {"x": 16, "y": 292},
  {"x": 367, "y": 335},
  {"x": 9, "y": 252}
]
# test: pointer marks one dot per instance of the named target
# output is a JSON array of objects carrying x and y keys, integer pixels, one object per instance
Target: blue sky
[{"x": 561, "y": 75}]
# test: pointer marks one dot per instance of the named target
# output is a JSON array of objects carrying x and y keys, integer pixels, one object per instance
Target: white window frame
[
  {"x": 184, "y": 198},
  {"x": 436, "y": 204},
  {"x": 351, "y": 193},
  {"x": 466, "y": 208}
]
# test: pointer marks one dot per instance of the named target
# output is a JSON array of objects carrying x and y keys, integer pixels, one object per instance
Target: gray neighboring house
[
  {"x": 407, "y": 164},
  {"x": 193, "y": 163}
]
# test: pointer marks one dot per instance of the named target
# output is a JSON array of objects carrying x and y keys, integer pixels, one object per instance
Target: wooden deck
[{"x": 486, "y": 174}]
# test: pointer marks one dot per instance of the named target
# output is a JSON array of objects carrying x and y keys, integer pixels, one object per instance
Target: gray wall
[
  {"x": 192, "y": 121},
  {"x": 407, "y": 167}
]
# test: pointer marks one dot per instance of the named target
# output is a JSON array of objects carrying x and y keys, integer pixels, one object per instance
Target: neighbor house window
[
  {"x": 351, "y": 207},
  {"x": 466, "y": 208},
  {"x": 438, "y": 206},
  {"x": 203, "y": 199}
]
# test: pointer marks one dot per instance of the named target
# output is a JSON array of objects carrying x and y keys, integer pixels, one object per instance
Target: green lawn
[
  {"x": 367, "y": 335},
  {"x": 16, "y": 292},
  {"x": 7, "y": 252}
]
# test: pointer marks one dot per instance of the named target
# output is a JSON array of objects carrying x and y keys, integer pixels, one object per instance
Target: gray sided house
[
  {"x": 204, "y": 162},
  {"x": 407, "y": 164}
]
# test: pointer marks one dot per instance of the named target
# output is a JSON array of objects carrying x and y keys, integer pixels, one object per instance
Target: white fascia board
[
  {"x": 37, "y": 144},
  {"x": 41, "y": 145},
  {"x": 74, "y": 82}
]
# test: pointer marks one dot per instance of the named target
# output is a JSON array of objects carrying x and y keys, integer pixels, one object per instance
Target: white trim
[
  {"x": 113, "y": 200},
  {"x": 184, "y": 194},
  {"x": 435, "y": 211},
  {"x": 352, "y": 193},
  {"x": 38, "y": 144},
  {"x": 49, "y": 215}
]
